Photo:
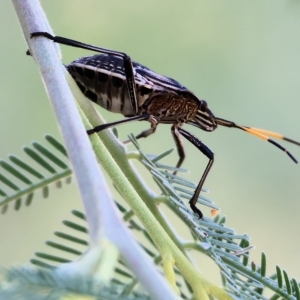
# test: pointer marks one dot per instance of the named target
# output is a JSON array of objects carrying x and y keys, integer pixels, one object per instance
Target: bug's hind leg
[{"x": 128, "y": 68}]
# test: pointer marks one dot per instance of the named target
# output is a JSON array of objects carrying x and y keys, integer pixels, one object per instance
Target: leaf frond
[{"x": 20, "y": 179}]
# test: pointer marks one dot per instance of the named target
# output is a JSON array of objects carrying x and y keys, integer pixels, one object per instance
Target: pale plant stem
[{"x": 102, "y": 217}]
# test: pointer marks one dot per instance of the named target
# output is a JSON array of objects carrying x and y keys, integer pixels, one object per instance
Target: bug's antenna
[{"x": 261, "y": 133}]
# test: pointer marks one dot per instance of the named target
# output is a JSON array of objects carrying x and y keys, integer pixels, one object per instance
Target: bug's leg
[
  {"x": 143, "y": 134},
  {"x": 147, "y": 132},
  {"x": 179, "y": 146},
  {"x": 108, "y": 125},
  {"x": 210, "y": 155},
  {"x": 126, "y": 59}
]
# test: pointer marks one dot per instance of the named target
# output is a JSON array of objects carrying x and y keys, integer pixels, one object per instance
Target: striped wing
[{"x": 157, "y": 79}]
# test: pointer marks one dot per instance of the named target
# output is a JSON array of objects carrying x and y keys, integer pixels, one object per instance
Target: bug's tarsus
[{"x": 42, "y": 33}]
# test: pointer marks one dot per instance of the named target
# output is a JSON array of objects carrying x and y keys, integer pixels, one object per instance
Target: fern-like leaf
[
  {"x": 229, "y": 250},
  {"x": 40, "y": 284},
  {"x": 20, "y": 179}
]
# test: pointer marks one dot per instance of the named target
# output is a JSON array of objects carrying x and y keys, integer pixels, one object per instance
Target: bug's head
[{"x": 204, "y": 118}]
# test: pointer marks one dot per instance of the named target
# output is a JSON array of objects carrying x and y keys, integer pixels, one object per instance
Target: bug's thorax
[{"x": 169, "y": 107}]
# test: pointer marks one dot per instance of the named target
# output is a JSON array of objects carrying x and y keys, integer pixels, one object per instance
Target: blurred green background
[{"x": 240, "y": 56}]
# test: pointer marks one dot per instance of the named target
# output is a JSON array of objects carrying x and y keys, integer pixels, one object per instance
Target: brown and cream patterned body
[{"x": 101, "y": 78}]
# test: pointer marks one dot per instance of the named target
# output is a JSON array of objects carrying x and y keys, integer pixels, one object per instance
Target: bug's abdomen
[{"x": 101, "y": 83}]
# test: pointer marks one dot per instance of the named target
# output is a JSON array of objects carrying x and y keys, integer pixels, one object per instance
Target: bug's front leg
[
  {"x": 146, "y": 133},
  {"x": 208, "y": 153}
]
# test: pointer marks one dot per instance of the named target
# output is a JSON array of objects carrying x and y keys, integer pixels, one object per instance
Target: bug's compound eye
[{"x": 203, "y": 106}]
